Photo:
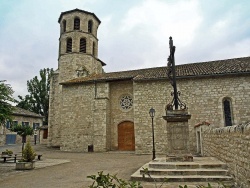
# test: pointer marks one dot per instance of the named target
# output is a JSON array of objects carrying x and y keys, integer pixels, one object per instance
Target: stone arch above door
[{"x": 126, "y": 136}]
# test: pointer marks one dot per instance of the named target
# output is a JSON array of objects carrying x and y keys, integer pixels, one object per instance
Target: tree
[
  {"x": 38, "y": 98},
  {"x": 6, "y": 98},
  {"x": 22, "y": 131}
]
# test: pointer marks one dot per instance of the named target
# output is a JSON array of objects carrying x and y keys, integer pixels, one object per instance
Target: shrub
[
  {"x": 28, "y": 153},
  {"x": 7, "y": 152},
  {"x": 108, "y": 181}
]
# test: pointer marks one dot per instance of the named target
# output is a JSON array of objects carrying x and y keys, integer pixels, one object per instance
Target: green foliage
[
  {"x": 185, "y": 186},
  {"x": 111, "y": 181},
  {"x": 220, "y": 185},
  {"x": 28, "y": 153},
  {"x": 22, "y": 130},
  {"x": 7, "y": 152},
  {"x": 38, "y": 99},
  {"x": 6, "y": 97},
  {"x": 145, "y": 173}
]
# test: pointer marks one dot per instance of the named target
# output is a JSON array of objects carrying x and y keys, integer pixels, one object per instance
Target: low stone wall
[{"x": 230, "y": 145}]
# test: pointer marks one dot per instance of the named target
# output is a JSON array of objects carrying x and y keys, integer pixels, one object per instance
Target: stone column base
[{"x": 178, "y": 136}]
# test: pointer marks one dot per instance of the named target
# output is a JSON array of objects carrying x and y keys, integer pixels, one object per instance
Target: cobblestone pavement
[{"x": 67, "y": 169}]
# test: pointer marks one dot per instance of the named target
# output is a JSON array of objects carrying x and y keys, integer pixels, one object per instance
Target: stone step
[
  {"x": 185, "y": 165},
  {"x": 182, "y": 172},
  {"x": 188, "y": 178},
  {"x": 189, "y": 184},
  {"x": 203, "y": 169}
]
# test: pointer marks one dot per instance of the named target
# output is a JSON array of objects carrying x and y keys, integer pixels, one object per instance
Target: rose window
[{"x": 126, "y": 102}]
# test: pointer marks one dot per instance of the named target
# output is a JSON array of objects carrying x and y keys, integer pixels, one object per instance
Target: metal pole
[{"x": 153, "y": 138}]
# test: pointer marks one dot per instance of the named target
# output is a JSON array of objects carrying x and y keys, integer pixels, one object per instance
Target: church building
[{"x": 91, "y": 110}]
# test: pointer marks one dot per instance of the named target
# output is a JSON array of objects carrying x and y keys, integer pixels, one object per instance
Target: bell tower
[{"x": 78, "y": 45}]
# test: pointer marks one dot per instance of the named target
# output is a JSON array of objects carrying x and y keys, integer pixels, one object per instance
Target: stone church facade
[{"x": 91, "y": 110}]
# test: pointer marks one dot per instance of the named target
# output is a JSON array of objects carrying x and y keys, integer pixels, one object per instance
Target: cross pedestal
[{"x": 178, "y": 136}]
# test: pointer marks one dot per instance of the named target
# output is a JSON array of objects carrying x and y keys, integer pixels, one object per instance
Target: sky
[{"x": 133, "y": 34}]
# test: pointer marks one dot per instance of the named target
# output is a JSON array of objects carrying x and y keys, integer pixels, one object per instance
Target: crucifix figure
[{"x": 172, "y": 77}]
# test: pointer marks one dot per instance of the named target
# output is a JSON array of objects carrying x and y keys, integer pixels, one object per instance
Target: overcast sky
[{"x": 133, "y": 34}]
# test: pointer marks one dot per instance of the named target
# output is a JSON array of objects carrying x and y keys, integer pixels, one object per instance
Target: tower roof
[{"x": 77, "y": 10}]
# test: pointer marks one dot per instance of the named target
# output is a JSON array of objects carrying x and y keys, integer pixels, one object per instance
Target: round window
[{"x": 126, "y": 102}]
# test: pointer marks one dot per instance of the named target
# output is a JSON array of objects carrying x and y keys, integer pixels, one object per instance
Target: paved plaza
[{"x": 68, "y": 169}]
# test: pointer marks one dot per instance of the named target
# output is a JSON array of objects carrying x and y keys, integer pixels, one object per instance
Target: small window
[
  {"x": 36, "y": 125},
  {"x": 83, "y": 45},
  {"x": 76, "y": 24},
  {"x": 227, "y": 107},
  {"x": 93, "y": 49},
  {"x": 90, "y": 25},
  {"x": 8, "y": 126},
  {"x": 14, "y": 123},
  {"x": 69, "y": 45},
  {"x": 64, "y": 26},
  {"x": 25, "y": 124}
]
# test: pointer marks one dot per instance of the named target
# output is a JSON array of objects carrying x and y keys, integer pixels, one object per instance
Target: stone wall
[
  {"x": 2, "y": 136},
  {"x": 119, "y": 115},
  {"x": 146, "y": 95},
  {"x": 232, "y": 146},
  {"x": 54, "y": 129},
  {"x": 84, "y": 117},
  {"x": 203, "y": 97}
]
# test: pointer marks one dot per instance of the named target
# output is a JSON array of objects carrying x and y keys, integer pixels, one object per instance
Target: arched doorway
[{"x": 126, "y": 136}]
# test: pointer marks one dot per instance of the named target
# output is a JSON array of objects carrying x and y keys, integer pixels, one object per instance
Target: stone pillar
[{"x": 178, "y": 135}]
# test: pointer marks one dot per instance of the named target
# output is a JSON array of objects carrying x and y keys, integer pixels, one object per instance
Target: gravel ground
[{"x": 72, "y": 174}]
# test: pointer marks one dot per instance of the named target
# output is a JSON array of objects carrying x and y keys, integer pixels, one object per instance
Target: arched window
[
  {"x": 90, "y": 25},
  {"x": 83, "y": 45},
  {"x": 227, "y": 108},
  {"x": 69, "y": 45},
  {"x": 93, "y": 50},
  {"x": 76, "y": 24},
  {"x": 64, "y": 26}
]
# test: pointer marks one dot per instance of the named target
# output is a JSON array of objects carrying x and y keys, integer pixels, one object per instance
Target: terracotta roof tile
[{"x": 211, "y": 68}]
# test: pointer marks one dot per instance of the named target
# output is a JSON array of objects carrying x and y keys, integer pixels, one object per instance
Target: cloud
[
  {"x": 132, "y": 35},
  {"x": 143, "y": 32}
]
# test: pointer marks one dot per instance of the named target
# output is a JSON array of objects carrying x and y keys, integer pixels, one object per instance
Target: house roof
[
  {"x": 210, "y": 68},
  {"x": 78, "y": 10},
  {"x": 22, "y": 112}
]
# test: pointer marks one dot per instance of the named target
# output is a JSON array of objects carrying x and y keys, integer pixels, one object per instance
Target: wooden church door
[{"x": 126, "y": 136}]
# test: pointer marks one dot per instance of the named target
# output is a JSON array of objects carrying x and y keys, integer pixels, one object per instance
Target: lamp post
[
  {"x": 152, "y": 114},
  {"x": 35, "y": 135}
]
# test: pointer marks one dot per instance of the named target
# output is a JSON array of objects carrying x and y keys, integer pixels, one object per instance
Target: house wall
[
  {"x": 21, "y": 119},
  {"x": 232, "y": 146}
]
